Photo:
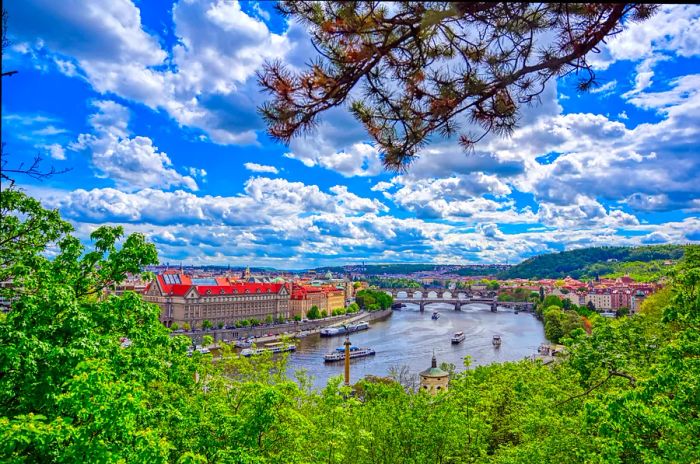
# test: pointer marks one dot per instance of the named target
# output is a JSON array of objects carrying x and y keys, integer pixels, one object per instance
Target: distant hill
[
  {"x": 408, "y": 268},
  {"x": 599, "y": 261}
]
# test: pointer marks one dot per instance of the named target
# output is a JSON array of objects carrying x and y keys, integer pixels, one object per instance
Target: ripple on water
[{"x": 409, "y": 338}]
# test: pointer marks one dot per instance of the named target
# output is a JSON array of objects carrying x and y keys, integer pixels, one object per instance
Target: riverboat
[
  {"x": 458, "y": 337},
  {"x": 355, "y": 352},
  {"x": 436, "y": 316},
  {"x": 496, "y": 341},
  {"x": 344, "y": 329},
  {"x": 277, "y": 347}
]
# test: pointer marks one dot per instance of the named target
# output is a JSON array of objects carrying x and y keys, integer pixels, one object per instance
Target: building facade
[{"x": 182, "y": 301}]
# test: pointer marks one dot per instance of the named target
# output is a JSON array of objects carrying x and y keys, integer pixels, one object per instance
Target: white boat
[
  {"x": 355, "y": 352},
  {"x": 344, "y": 329},
  {"x": 496, "y": 341},
  {"x": 458, "y": 337},
  {"x": 278, "y": 347}
]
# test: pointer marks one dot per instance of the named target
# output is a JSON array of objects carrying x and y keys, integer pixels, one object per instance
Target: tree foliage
[
  {"x": 373, "y": 300},
  {"x": 589, "y": 262},
  {"x": 412, "y": 70},
  {"x": 72, "y": 389}
]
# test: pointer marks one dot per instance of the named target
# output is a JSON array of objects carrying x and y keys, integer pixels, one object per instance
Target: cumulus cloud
[
  {"x": 206, "y": 81},
  {"x": 131, "y": 162}
]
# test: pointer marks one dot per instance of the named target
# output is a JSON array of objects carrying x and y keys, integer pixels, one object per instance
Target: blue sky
[{"x": 152, "y": 107}]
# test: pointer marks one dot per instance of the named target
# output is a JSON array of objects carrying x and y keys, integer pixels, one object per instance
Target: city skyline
[{"x": 153, "y": 108}]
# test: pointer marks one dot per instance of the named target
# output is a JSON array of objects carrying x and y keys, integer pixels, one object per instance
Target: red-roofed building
[
  {"x": 326, "y": 298},
  {"x": 182, "y": 301}
]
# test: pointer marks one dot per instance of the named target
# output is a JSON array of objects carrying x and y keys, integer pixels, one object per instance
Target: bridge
[{"x": 458, "y": 298}]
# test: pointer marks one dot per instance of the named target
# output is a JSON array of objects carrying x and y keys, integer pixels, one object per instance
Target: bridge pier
[
  {"x": 458, "y": 305},
  {"x": 494, "y": 308},
  {"x": 422, "y": 306}
]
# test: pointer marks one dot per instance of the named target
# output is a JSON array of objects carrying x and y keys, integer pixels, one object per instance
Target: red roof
[{"x": 180, "y": 289}]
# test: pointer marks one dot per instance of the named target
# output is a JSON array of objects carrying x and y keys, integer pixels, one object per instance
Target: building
[
  {"x": 434, "y": 379},
  {"x": 192, "y": 301},
  {"x": 601, "y": 300},
  {"x": 304, "y": 297},
  {"x": 325, "y": 298}
]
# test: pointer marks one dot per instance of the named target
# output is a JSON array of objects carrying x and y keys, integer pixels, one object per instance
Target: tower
[
  {"x": 434, "y": 379},
  {"x": 347, "y": 361}
]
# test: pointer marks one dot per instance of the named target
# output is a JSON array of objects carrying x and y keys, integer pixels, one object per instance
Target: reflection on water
[{"x": 409, "y": 337}]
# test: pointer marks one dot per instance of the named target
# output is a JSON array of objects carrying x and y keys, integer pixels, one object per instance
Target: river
[{"x": 409, "y": 337}]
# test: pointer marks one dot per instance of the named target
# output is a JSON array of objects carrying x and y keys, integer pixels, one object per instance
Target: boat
[
  {"x": 435, "y": 316},
  {"x": 496, "y": 341},
  {"x": 458, "y": 337},
  {"x": 355, "y": 352},
  {"x": 344, "y": 329},
  {"x": 277, "y": 347}
]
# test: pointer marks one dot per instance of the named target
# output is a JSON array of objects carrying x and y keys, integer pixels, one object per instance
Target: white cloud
[
  {"x": 382, "y": 186},
  {"x": 55, "y": 151},
  {"x": 338, "y": 142},
  {"x": 673, "y": 29},
  {"x": 606, "y": 89},
  {"x": 131, "y": 162},
  {"x": 254, "y": 167}
]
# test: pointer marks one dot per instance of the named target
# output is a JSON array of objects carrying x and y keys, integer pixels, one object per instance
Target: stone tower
[{"x": 434, "y": 380}]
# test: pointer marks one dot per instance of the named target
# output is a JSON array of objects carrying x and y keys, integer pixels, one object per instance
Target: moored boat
[
  {"x": 458, "y": 337},
  {"x": 344, "y": 329},
  {"x": 436, "y": 315},
  {"x": 496, "y": 341},
  {"x": 278, "y": 347},
  {"x": 355, "y": 352}
]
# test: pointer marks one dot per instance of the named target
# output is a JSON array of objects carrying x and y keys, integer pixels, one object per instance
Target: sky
[{"x": 151, "y": 105}]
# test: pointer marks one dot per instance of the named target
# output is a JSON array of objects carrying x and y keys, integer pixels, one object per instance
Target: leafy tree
[
  {"x": 622, "y": 312},
  {"x": 206, "y": 324},
  {"x": 552, "y": 300},
  {"x": 269, "y": 319},
  {"x": 427, "y": 68},
  {"x": 186, "y": 326},
  {"x": 541, "y": 293},
  {"x": 353, "y": 308},
  {"x": 313, "y": 313},
  {"x": 297, "y": 317},
  {"x": 324, "y": 313},
  {"x": 174, "y": 326},
  {"x": 590, "y": 305}
]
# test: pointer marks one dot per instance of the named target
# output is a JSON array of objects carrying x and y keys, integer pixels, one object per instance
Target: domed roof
[{"x": 434, "y": 371}]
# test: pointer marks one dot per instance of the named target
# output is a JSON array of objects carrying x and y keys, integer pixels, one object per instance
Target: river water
[{"x": 409, "y": 337}]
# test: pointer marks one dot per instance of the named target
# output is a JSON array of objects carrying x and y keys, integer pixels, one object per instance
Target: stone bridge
[{"x": 458, "y": 298}]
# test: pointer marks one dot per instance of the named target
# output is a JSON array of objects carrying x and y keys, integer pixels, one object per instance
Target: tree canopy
[
  {"x": 91, "y": 377},
  {"x": 411, "y": 70}
]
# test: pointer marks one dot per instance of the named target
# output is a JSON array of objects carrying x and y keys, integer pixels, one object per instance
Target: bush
[
  {"x": 297, "y": 318},
  {"x": 324, "y": 313},
  {"x": 174, "y": 326}
]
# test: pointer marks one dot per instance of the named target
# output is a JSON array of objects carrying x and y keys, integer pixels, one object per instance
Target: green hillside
[{"x": 646, "y": 262}]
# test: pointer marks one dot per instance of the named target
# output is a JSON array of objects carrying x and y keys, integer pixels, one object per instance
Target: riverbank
[{"x": 272, "y": 333}]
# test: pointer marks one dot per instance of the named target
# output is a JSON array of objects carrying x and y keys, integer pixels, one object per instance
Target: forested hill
[{"x": 591, "y": 262}]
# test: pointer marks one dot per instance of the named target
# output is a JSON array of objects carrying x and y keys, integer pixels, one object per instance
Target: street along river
[{"x": 409, "y": 337}]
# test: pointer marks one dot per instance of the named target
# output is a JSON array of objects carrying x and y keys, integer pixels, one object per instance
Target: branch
[{"x": 611, "y": 374}]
